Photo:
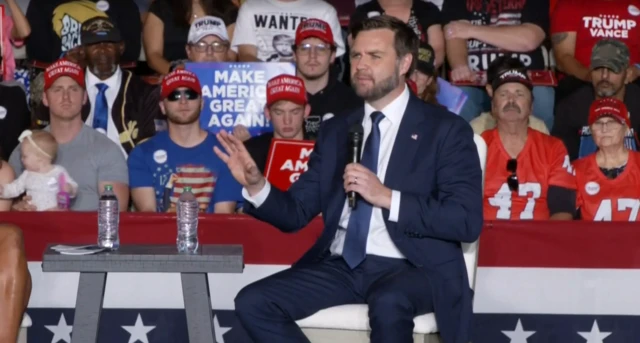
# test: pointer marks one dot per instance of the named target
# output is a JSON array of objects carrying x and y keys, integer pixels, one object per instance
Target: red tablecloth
[
  {"x": 576, "y": 243},
  {"x": 263, "y": 244}
]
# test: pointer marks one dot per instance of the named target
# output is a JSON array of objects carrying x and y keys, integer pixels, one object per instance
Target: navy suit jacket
[{"x": 435, "y": 166}]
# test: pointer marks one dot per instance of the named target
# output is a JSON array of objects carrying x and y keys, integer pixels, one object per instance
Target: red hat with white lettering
[
  {"x": 286, "y": 87},
  {"x": 177, "y": 79},
  {"x": 609, "y": 107},
  {"x": 314, "y": 28},
  {"x": 60, "y": 68}
]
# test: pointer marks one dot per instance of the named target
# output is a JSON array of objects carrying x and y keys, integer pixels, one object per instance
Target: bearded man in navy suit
[{"x": 420, "y": 195}]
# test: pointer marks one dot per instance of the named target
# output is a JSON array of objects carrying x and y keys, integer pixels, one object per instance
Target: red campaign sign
[
  {"x": 537, "y": 77},
  {"x": 287, "y": 160}
]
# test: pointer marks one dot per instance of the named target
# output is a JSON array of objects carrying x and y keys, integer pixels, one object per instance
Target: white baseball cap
[{"x": 206, "y": 26}]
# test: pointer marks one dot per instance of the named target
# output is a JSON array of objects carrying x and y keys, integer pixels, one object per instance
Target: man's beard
[
  {"x": 177, "y": 119},
  {"x": 96, "y": 71},
  {"x": 609, "y": 91},
  {"x": 379, "y": 89},
  {"x": 312, "y": 77}
]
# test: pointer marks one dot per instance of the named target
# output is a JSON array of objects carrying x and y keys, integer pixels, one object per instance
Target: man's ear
[
  {"x": 267, "y": 113},
  {"x": 121, "y": 48},
  {"x": 186, "y": 48},
  {"x": 45, "y": 101},
  {"x": 162, "y": 108},
  {"x": 405, "y": 65},
  {"x": 489, "y": 90},
  {"x": 85, "y": 98},
  {"x": 629, "y": 75}
]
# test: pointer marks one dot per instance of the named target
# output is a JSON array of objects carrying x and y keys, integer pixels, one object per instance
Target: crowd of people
[
  {"x": 111, "y": 125},
  {"x": 84, "y": 115}
]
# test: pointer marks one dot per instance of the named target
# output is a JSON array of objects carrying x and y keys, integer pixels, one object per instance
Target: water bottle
[
  {"x": 108, "y": 220},
  {"x": 187, "y": 209}
]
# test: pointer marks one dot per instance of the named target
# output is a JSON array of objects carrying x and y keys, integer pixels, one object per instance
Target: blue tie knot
[
  {"x": 376, "y": 117},
  {"x": 101, "y": 87}
]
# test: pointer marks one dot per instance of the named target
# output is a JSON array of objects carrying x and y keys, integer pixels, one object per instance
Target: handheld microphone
[{"x": 356, "y": 133}]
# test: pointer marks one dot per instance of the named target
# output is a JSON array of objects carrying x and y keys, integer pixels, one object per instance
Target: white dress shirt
[
  {"x": 378, "y": 241},
  {"x": 113, "y": 84}
]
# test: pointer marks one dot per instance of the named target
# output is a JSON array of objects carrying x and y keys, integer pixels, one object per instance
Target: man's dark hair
[
  {"x": 502, "y": 63},
  {"x": 405, "y": 40}
]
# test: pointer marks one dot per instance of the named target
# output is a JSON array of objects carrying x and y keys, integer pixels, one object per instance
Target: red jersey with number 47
[
  {"x": 601, "y": 198},
  {"x": 543, "y": 162}
]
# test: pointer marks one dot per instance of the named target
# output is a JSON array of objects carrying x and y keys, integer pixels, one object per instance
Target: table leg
[
  {"x": 197, "y": 305},
  {"x": 86, "y": 320}
]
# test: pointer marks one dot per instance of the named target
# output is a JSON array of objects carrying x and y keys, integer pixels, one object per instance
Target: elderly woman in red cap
[{"x": 608, "y": 180}]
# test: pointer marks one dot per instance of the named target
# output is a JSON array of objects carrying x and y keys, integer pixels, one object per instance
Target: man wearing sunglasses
[
  {"x": 208, "y": 41},
  {"x": 529, "y": 175},
  {"x": 161, "y": 167},
  {"x": 315, "y": 52}
]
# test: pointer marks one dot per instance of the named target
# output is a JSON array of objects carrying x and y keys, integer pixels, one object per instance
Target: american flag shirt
[{"x": 169, "y": 168}]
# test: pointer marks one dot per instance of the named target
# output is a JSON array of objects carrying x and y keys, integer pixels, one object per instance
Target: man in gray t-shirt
[{"x": 91, "y": 159}]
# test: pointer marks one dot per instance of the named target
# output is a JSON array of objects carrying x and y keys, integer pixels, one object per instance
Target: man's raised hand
[{"x": 242, "y": 166}]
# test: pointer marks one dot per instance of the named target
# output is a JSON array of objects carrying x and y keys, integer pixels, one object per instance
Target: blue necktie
[
  {"x": 101, "y": 110},
  {"x": 355, "y": 242}
]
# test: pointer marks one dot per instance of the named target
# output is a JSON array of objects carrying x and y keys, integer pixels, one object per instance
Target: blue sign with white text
[{"x": 235, "y": 94}]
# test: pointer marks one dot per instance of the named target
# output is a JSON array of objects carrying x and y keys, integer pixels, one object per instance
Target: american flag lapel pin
[{"x": 414, "y": 137}]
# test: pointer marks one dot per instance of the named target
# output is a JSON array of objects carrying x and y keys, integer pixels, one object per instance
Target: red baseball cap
[
  {"x": 177, "y": 79},
  {"x": 314, "y": 28},
  {"x": 286, "y": 87},
  {"x": 609, "y": 107},
  {"x": 61, "y": 68}
]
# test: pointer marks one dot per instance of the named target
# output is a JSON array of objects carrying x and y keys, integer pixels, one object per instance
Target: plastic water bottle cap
[
  {"x": 187, "y": 189},
  {"x": 108, "y": 187}
]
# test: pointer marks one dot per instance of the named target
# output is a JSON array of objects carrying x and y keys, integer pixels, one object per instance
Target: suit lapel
[{"x": 406, "y": 144}]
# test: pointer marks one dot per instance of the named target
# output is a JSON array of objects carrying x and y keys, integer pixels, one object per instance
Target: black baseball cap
[
  {"x": 426, "y": 59},
  {"x": 99, "y": 30},
  {"x": 512, "y": 76}
]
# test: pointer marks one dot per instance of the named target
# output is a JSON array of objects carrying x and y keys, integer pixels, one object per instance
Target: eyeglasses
[
  {"x": 321, "y": 49},
  {"x": 606, "y": 125},
  {"x": 188, "y": 94},
  {"x": 512, "y": 180},
  {"x": 215, "y": 46}
]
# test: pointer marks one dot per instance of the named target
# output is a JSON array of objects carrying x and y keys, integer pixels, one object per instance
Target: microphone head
[
  {"x": 356, "y": 133},
  {"x": 356, "y": 129}
]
